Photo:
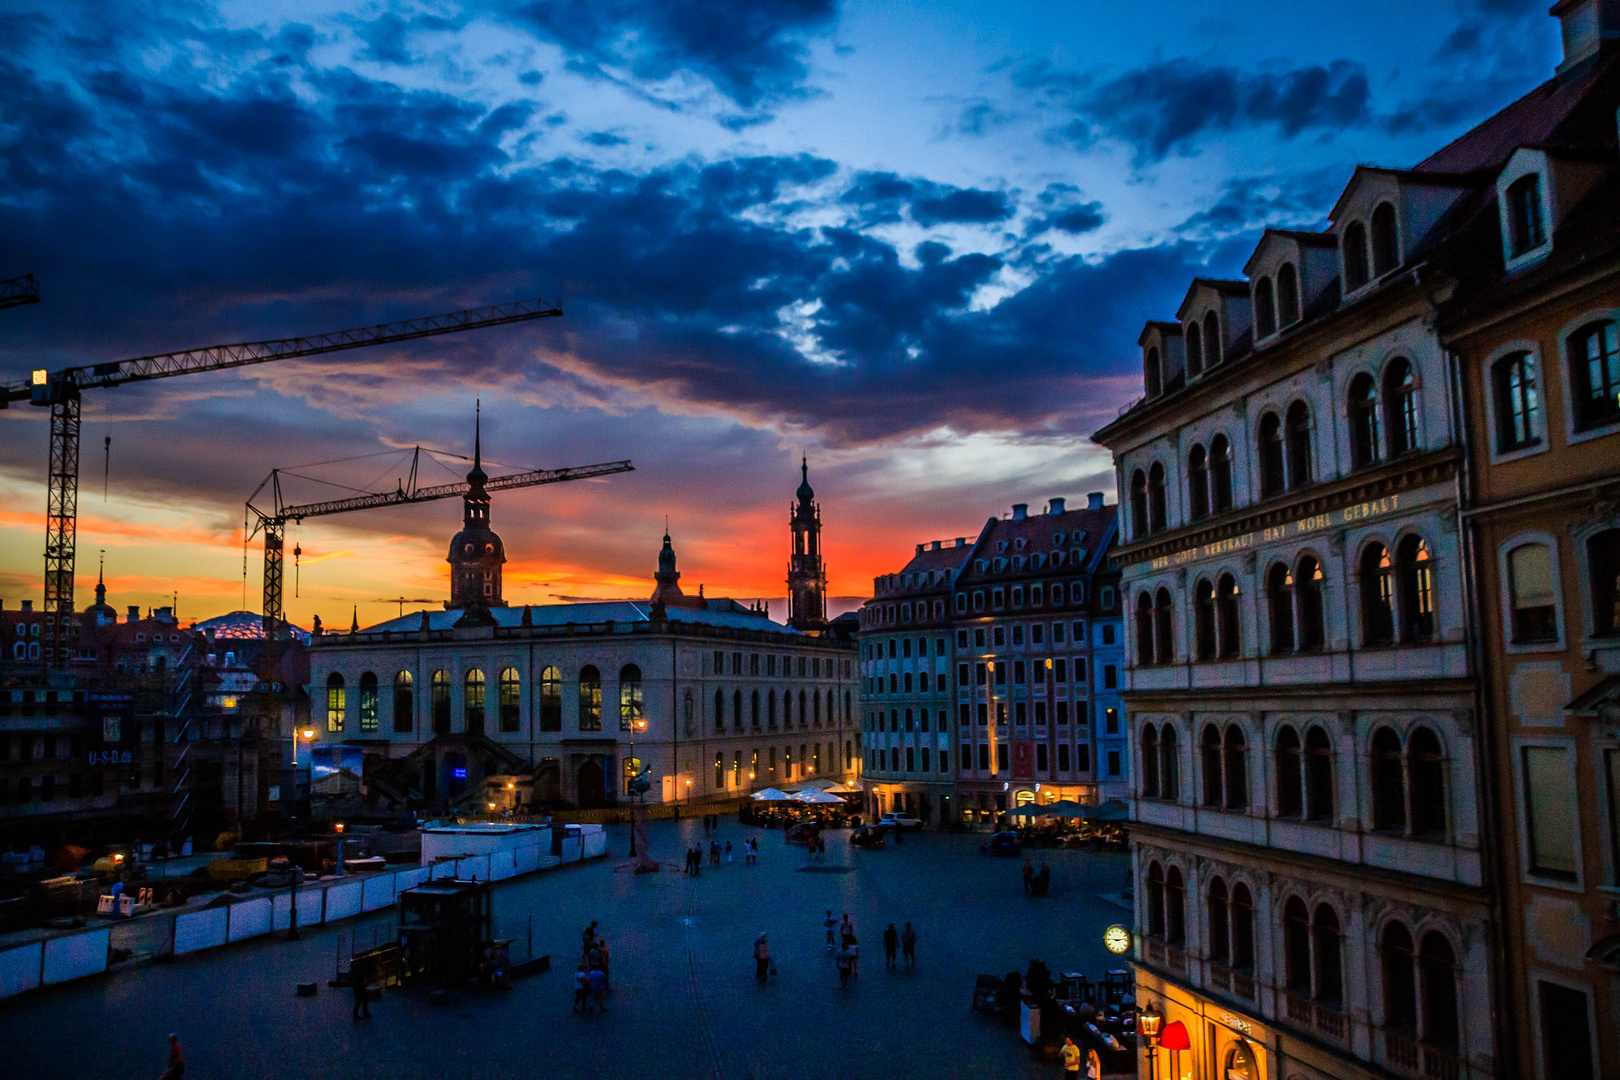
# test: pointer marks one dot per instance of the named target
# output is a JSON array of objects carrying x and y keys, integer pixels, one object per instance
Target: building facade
[{"x": 991, "y": 670}]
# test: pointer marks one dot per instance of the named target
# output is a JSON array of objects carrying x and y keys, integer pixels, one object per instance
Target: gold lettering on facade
[{"x": 1303, "y": 527}]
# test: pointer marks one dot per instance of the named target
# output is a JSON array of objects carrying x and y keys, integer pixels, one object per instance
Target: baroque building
[{"x": 807, "y": 573}]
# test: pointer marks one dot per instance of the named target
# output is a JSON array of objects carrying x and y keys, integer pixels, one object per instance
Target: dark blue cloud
[
  {"x": 1063, "y": 208},
  {"x": 882, "y": 197}
]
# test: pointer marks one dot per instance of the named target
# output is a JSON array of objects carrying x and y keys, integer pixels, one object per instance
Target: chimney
[
  {"x": 1586, "y": 25},
  {"x": 919, "y": 549},
  {"x": 1055, "y": 506},
  {"x": 28, "y": 605},
  {"x": 134, "y": 613},
  {"x": 1020, "y": 511},
  {"x": 1094, "y": 500},
  {"x": 961, "y": 541},
  {"x": 936, "y": 545}
]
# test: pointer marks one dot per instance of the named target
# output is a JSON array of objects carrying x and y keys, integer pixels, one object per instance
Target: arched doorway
[
  {"x": 590, "y": 785},
  {"x": 548, "y": 782}
]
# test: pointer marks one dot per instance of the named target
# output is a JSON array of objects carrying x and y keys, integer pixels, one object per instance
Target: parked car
[
  {"x": 899, "y": 821},
  {"x": 1001, "y": 843},
  {"x": 866, "y": 836}
]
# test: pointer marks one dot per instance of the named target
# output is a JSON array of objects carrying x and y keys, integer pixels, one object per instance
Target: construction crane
[
  {"x": 272, "y": 522},
  {"x": 17, "y": 291},
  {"x": 60, "y": 391}
]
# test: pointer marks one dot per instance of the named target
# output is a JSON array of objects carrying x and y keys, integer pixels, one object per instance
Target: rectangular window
[
  {"x": 998, "y": 599},
  {"x": 1018, "y": 672},
  {"x": 736, "y": 663},
  {"x": 1063, "y": 757},
  {"x": 1111, "y": 721},
  {"x": 1079, "y": 669},
  {"x": 961, "y": 639},
  {"x": 911, "y": 759},
  {"x": 908, "y": 682},
  {"x": 1037, "y": 597},
  {"x": 945, "y": 761},
  {"x": 978, "y": 637},
  {"x": 1018, "y": 596},
  {"x": 1079, "y": 632},
  {"x": 984, "y": 714},
  {"x": 984, "y": 757},
  {"x": 963, "y": 713},
  {"x": 1040, "y": 713},
  {"x": 1566, "y": 1035},
  {"x": 719, "y": 667},
  {"x": 1036, "y": 633},
  {"x": 894, "y": 683},
  {"x": 1001, "y": 757},
  {"x": 978, "y": 600},
  {"x": 1018, "y": 635},
  {"x": 1020, "y": 713},
  {"x": 1062, "y": 712},
  {"x": 1082, "y": 758},
  {"x": 1001, "y": 673},
  {"x": 961, "y": 674},
  {"x": 1110, "y": 677},
  {"x": 1549, "y": 811},
  {"x": 753, "y": 663},
  {"x": 1060, "y": 670},
  {"x": 1057, "y": 633},
  {"x": 1113, "y": 763},
  {"x": 1108, "y": 633},
  {"x": 719, "y": 769},
  {"x": 803, "y": 660},
  {"x": 1001, "y": 714},
  {"x": 999, "y": 635},
  {"x": 1077, "y": 592},
  {"x": 770, "y": 661}
]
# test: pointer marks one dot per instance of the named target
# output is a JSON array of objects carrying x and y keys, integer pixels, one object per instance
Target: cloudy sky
[{"x": 915, "y": 241}]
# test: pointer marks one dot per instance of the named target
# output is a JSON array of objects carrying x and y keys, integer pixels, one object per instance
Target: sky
[{"x": 913, "y": 242}]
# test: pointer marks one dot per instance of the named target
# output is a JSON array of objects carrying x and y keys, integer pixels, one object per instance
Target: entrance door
[{"x": 590, "y": 785}]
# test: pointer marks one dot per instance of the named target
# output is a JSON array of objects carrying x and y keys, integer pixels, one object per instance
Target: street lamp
[
  {"x": 638, "y": 784},
  {"x": 307, "y": 735},
  {"x": 1148, "y": 1023}
]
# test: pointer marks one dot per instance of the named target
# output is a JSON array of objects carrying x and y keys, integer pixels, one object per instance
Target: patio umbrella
[
  {"x": 811, "y": 795},
  {"x": 771, "y": 794},
  {"x": 1029, "y": 810},
  {"x": 1064, "y": 808},
  {"x": 1112, "y": 810}
]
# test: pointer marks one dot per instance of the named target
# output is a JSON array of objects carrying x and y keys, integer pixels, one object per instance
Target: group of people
[
  {"x": 718, "y": 852},
  {"x": 1037, "y": 882},
  {"x": 591, "y": 986}
]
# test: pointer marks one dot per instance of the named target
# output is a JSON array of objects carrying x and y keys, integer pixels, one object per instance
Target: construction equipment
[
  {"x": 60, "y": 391},
  {"x": 17, "y": 291}
]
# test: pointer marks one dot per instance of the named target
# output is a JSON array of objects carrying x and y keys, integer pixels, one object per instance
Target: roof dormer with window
[
  {"x": 1534, "y": 193},
  {"x": 1216, "y": 323},
  {"x": 1382, "y": 218},
  {"x": 1164, "y": 358},
  {"x": 1288, "y": 273}
]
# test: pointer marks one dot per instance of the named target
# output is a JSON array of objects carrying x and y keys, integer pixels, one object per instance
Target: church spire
[
  {"x": 476, "y": 553},
  {"x": 807, "y": 574}
]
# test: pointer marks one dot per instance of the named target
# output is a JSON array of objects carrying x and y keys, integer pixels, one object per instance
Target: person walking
[
  {"x": 854, "y": 957},
  {"x": 588, "y": 938},
  {"x": 358, "y": 978},
  {"x": 1071, "y": 1059},
  {"x": 602, "y": 957},
  {"x": 908, "y": 945},
  {"x": 599, "y": 989},
  {"x": 846, "y": 930},
  {"x": 728, "y": 852},
  {"x": 762, "y": 958},
  {"x": 1029, "y": 878},
  {"x": 831, "y": 924},
  {"x": 177, "y": 1059},
  {"x": 891, "y": 944},
  {"x": 845, "y": 964},
  {"x": 582, "y": 988}
]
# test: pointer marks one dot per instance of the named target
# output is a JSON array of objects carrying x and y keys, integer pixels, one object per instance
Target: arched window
[
  {"x": 1226, "y": 613},
  {"x": 1157, "y": 516},
  {"x": 804, "y": 713},
  {"x": 1308, "y": 593},
  {"x": 1400, "y": 980},
  {"x": 1288, "y": 312},
  {"x": 1195, "y": 349},
  {"x": 1220, "y": 473},
  {"x": 1525, "y": 229},
  {"x": 590, "y": 698},
  {"x": 404, "y": 703},
  {"x": 1280, "y": 602},
  {"x": 1169, "y": 764},
  {"x": 1355, "y": 256},
  {"x": 1364, "y": 444},
  {"x": 368, "y": 702},
  {"x": 1272, "y": 476},
  {"x": 1152, "y": 378},
  {"x": 1144, "y": 629},
  {"x": 1175, "y": 907},
  {"x": 1400, "y": 406},
  {"x": 1325, "y": 937},
  {"x": 1594, "y": 375},
  {"x": 1388, "y": 784},
  {"x": 439, "y": 701},
  {"x": 1518, "y": 402},
  {"x": 1437, "y": 966},
  {"x": 1212, "y": 340},
  {"x": 1603, "y": 568},
  {"x": 1299, "y": 445},
  {"x": 689, "y": 712},
  {"x": 1209, "y": 753},
  {"x": 630, "y": 702},
  {"x": 1242, "y": 928},
  {"x": 1318, "y": 775},
  {"x": 1139, "y": 504},
  {"x": 1164, "y": 642},
  {"x": 550, "y": 698},
  {"x": 1296, "y": 947},
  {"x": 509, "y": 695},
  {"x": 1290, "y": 792},
  {"x": 719, "y": 710},
  {"x": 1220, "y": 936},
  {"x": 1415, "y": 571},
  {"x": 847, "y": 700},
  {"x": 815, "y": 708},
  {"x": 1265, "y": 309},
  {"x": 753, "y": 709},
  {"x": 1198, "y": 482},
  {"x": 1237, "y": 769},
  {"x": 770, "y": 710},
  {"x": 1427, "y": 780},
  {"x": 1377, "y": 605},
  {"x": 472, "y": 702},
  {"x": 1155, "y": 900},
  {"x": 1530, "y": 586},
  {"x": 1204, "y": 620},
  {"x": 337, "y": 702},
  {"x": 736, "y": 710},
  {"x": 1150, "y": 762},
  {"x": 1386, "y": 247},
  {"x": 787, "y": 708}
]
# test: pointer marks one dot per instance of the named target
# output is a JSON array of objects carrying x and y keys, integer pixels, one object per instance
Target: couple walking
[{"x": 905, "y": 940}]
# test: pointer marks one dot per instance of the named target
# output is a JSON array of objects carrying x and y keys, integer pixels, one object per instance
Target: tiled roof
[
  {"x": 556, "y": 615},
  {"x": 1036, "y": 531}
]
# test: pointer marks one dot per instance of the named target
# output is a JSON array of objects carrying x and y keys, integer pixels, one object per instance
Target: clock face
[{"x": 1117, "y": 939}]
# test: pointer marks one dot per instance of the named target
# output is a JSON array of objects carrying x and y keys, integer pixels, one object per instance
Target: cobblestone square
[{"x": 685, "y": 1002}]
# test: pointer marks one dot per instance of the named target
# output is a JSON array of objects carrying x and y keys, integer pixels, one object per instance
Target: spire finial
[
  {"x": 478, "y": 432},
  {"x": 101, "y": 570}
]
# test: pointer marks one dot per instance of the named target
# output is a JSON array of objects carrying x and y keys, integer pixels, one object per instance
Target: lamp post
[
  {"x": 1148, "y": 1023},
  {"x": 638, "y": 785},
  {"x": 293, "y": 871}
]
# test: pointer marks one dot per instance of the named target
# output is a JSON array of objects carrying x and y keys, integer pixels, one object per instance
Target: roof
[
  {"x": 244, "y": 625},
  {"x": 1037, "y": 530},
  {"x": 557, "y": 615},
  {"x": 948, "y": 557}
]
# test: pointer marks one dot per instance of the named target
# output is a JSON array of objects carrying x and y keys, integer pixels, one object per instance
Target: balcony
[
  {"x": 1408, "y": 1056},
  {"x": 1319, "y": 1016},
  {"x": 1230, "y": 981}
]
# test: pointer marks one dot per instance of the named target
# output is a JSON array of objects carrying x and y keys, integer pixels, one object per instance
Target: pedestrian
[
  {"x": 358, "y": 977},
  {"x": 1071, "y": 1059},
  {"x": 177, "y": 1059},
  {"x": 908, "y": 945},
  {"x": 762, "y": 958},
  {"x": 854, "y": 957},
  {"x": 728, "y": 852},
  {"x": 588, "y": 937},
  {"x": 846, "y": 930},
  {"x": 831, "y": 924},
  {"x": 1093, "y": 1065},
  {"x": 599, "y": 989},
  {"x": 891, "y": 944},
  {"x": 1029, "y": 878},
  {"x": 714, "y": 853},
  {"x": 845, "y": 963},
  {"x": 582, "y": 988}
]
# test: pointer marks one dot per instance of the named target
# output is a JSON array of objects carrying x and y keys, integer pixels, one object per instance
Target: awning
[
  {"x": 771, "y": 794},
  {"x": 1604, "y": 696}
]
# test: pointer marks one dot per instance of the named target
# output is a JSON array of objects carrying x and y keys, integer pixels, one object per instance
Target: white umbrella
[
  {"x": 771, "y": 794},
  {"x": 820, "y": 784},
  {"x": 811, "y": 795}
]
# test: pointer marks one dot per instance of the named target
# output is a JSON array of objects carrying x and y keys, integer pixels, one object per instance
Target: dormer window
[
  {"x": 1152, "y": 377},
  {"x": 1355, "y": 256},
  {"x": 1526, "y": 228},
  {"x": 1195, "y": 349},
  {"x": 1288, "y": 312},
  {"x": 1057, "y": 539},
  {"x": 1386, "y": 248},
  {"x": 1019, "y": 543},
  {"x": 1212, "y": 339},
  {"x": 1265, "y": 309}
]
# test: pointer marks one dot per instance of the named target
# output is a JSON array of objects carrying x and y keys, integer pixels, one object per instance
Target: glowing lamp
[
  {"x": 1148, "y": 1024},
  {"x": 338, "y": 826}
]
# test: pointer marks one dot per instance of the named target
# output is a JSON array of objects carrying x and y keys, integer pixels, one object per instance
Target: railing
[
  {"x": 1155, "y": 950},
  {"x": 1176, "y": 960},
  {"x": 1231, "y": 981},
  {"x": 1319, "y": 1016},
  {"x": 1420, "y": 1059}
]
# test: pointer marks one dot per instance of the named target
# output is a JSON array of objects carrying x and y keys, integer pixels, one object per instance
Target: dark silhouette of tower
[
  {"x": 476, "y": 553},
  {"x": 807, "y": 574}
]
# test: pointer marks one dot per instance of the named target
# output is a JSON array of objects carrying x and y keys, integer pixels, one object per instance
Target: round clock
[{"x": 1117, "y": 939}]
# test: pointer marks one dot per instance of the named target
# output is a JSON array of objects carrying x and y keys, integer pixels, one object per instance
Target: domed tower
[
  {"x": 101, "y": 613},
  {"x": 476, "y": 553},
  {"x": 807, "y": 574}
]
